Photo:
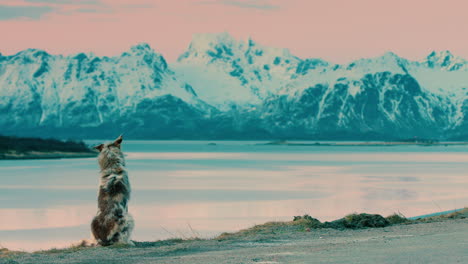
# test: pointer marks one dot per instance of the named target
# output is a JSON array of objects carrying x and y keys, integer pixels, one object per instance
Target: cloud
[
  {"x": 36, "y": 9},
  {"x": 250, "y": 4},
  {"x": 106, "y": 8},
  {"x": 69, "y": 7},
  {"x": 29, "y": 12},
  {"x": 87, "y": 10},
  {"x": 66, "y": 2},
  {"x": 138, "y": 6}
]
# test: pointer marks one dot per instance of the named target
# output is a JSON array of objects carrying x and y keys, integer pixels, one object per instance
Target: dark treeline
[{"x": 21, "y": 145}]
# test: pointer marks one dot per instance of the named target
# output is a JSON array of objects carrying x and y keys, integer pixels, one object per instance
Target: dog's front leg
[{"x": 110, "y": 182}]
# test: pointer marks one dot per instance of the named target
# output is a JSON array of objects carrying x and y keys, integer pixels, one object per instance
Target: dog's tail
[{"x": 86, "y": 243}]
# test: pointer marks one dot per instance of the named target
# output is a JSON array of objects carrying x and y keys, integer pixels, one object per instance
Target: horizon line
[{"x": 238, "y": 41}]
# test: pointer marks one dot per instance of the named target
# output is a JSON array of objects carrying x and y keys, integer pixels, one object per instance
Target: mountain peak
[
  {"x": 391, "y": 55},
  {"x": 207, "y": 45},
  {"x": 141, "y": 48},
  {"x": 211, "y": 38},
  {"x": 213, "y": 46},
  {"x": 33, "y": 52},
  {"x": 389, "y": 61},
  {"x": 251, "y": 42},
  {"x": 204, "y": 41},
  {"x": 445, "y": 60},
  {"x": 440, "y": 54}
]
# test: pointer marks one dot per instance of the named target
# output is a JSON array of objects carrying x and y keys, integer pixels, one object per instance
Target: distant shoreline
[
  {"x": 371, "y": 143},
  {"x": 45, "y": 155},
  {"x": 17, "y": 148}
]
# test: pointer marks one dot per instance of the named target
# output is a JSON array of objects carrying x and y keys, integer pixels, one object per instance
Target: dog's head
[{"x": 110, "y": 153}]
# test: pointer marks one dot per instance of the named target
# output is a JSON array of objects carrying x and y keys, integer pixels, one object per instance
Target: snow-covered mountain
[
  {"x": 226, "y": 71},
  {"x": 225, "y": 88}
]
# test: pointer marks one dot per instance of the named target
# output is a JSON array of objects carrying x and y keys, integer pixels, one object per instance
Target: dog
[{"x": 112, "y": 223}]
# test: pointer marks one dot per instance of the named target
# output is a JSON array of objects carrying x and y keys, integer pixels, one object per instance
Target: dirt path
[{"x": 438, "y": 242}]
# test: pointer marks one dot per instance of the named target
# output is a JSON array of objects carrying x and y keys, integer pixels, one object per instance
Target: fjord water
[{"x": 193, "y": 188}]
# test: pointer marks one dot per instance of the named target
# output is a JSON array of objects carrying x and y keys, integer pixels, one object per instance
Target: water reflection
[{"x": 49, "y": 203}]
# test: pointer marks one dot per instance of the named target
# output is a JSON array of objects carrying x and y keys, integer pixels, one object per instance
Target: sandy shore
[{"x": 437, "y": 240}]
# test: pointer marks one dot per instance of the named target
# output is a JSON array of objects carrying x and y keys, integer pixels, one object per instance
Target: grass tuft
[
  {"x": 73, "y": 248},
  {"x": 358, "y": 221},
  {"x": 307, "y": 221},
  {"x": 5, "y": 253},
  {"x": 269, "y": 228},
  {"x": 397, "y": 219},
  {"x": 462, "y": 214}
]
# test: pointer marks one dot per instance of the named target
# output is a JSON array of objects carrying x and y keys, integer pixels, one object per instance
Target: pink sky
[{"x": 336, "y": 30}]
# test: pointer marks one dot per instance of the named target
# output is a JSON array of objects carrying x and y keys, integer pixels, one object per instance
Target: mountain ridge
[{"x": 225, "y": 88}]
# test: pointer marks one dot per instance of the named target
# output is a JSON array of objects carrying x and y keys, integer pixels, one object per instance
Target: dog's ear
[
  {"x": 99, "y": 147},
  {"x": 118, "y": 141}
]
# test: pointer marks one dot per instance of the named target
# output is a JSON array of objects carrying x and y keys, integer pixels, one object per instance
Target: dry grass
[
  {"x": 166, "y": 242},
  {"x": 269, "y": 228},
  {"x": 81, "y": 246},
  {"x": 397, "y": 219},
  {"x": 73, "y": 248},
  {"x": 462, "y": 214},
  {"x": 358, "y": 221},
  {"x": 306, "y": 222},
  {"x": 5, "y": 253}
]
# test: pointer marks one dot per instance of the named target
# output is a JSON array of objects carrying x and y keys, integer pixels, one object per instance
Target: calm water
[{"x": 190, "y": 188}]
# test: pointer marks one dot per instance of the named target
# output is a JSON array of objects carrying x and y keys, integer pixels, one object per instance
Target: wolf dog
[{"x": 112, "y": 223}]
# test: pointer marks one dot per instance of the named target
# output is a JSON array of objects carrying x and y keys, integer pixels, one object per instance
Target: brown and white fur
[{"x": 112, "y": 223}]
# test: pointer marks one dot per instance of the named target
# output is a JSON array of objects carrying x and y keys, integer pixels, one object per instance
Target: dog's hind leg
[
  {"x": 126, "y": 228},
  {"x": 127, "y": 231},
  {"x": 100, "y": 228}
]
